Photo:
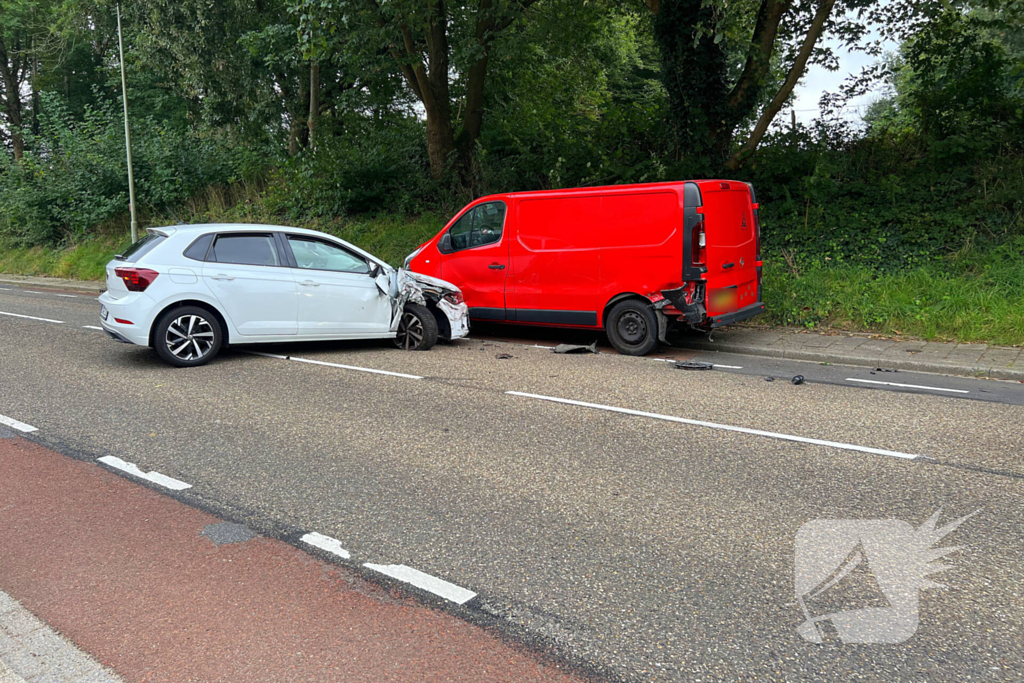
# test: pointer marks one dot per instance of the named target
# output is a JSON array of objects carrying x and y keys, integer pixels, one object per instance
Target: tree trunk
[
  {"x": 314, "y": 101},
  {"x": 12, "y": 96},
  {"x": 795, "y": 72}
]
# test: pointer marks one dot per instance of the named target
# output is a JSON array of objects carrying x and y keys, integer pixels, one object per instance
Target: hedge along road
[{"x": 643, "y": 547}]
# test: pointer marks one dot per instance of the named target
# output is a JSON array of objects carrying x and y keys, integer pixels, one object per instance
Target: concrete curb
[
  {"x": 80, "y": 286},
  {"x": 869, "y": 361}
]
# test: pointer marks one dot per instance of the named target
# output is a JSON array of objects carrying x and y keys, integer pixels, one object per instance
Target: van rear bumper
[{"x": 736, "y": 316}]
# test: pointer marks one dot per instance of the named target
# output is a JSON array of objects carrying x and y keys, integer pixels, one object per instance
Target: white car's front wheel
[
  {"x": 187, "y": 336},
  {"x": 417, "y": 330}
]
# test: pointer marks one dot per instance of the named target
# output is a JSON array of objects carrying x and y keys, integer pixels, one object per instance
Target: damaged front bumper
[{"x": 442, "y": 298}]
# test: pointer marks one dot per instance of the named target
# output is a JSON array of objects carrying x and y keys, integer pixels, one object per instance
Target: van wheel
[
  {"x": 632, "y": 327},
  {"x": 417, "y": 330}
]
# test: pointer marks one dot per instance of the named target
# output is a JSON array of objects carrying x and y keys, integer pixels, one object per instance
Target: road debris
[
  {"x": 692, "y": 365},
  {"x": 769, "y": 379},
  {"x": 576, "y": 348},
  {"x": 503, "y": 356},
  {"x": 799, "y": 379}
]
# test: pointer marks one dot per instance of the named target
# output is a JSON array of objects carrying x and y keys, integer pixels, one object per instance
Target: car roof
[{"x": 199, "y": 228}]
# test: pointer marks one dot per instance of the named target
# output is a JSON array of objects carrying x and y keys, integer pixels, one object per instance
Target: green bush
[{"x": 73, "y": 176}]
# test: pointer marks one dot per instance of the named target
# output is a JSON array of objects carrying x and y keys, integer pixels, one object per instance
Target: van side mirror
[{"x": 445, "y": 245}]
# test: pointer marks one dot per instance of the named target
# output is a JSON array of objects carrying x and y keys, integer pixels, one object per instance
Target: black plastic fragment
[
  {"x": 692, "y": 365},
  {"x": 503, "y": 356},
  {"x": 576, "y": 348},
  {"x": 799, "y": 379},
  {"x": 769, "y": 379}
]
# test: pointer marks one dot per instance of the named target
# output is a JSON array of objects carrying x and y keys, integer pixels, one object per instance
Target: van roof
[{"x": 672, "y": 184}]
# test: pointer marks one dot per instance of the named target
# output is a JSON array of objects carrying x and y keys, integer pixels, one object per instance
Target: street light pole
[{"x": 127, "y": 132}]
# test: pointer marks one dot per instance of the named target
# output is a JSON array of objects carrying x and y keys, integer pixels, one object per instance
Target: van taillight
[
  {"x": 136, "y": 279},
  {"x": 757, "y": 232},
  {"x": 699, "y": 244}
]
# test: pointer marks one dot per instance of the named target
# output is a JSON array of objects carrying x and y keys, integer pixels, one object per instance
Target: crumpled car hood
[{"x": 405, "y": 286}]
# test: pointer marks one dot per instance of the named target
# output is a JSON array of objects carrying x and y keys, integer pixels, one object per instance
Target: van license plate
[
  {"x": 723, "y": 300},
  {"x": 103, "y": 312}
]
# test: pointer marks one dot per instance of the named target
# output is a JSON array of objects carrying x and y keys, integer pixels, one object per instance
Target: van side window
[
  {"x": 460, "y": 232},
  {"x": 479, "y": 226}
]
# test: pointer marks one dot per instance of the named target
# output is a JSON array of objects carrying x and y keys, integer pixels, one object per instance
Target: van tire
[
  {"x": 417, "y": 331},
  {"x": 632, "y": 327}
]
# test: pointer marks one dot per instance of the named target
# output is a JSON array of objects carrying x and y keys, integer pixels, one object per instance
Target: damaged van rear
[{"x": 634, "y": 260}]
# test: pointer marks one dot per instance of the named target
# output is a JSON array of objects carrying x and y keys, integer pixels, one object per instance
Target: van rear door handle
[
  {"x": 496, "y": 266},
  {"x": 728, "y": 265}
]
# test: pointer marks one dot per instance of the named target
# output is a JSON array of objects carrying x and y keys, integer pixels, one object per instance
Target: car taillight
[
  {"x": 699, "y": 241},
  {"x": 454, "y": 298},
  {"x": 136, "y": 279}
]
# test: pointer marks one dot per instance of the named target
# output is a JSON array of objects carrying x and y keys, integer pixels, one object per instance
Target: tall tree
[
  {"x": 442, "y": 48},
  {"x": 23, "y": 32},
  {"x": 729, "y": 68}
]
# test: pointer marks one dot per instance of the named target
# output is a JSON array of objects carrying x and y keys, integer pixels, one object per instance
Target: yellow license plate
[{"x": 723, "y": 300}]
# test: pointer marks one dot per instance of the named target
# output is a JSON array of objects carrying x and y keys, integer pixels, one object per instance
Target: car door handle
[
  {"x": 728, "y": 265},
  {"x": 309, "y": 283},
  {"x": 221, "y": 276},
  {"x": 496, "y": 266}
]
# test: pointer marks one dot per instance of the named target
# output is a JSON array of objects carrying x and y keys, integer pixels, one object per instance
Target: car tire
[
  {"x": 632, "y": 327},
  {"x": 417, "y": 330},
  {"x": 179, "y": 326}
]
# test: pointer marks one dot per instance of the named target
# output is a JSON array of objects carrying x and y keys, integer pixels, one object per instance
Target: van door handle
[
  {"x": 496, "y": 266},
  {"x": 309, "y": 283},
  {"x": 221, "y": 276},
  {"x": 728, "y": 265}
]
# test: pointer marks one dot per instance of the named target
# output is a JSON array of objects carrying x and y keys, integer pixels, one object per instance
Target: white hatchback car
[{"x": 190, "y": 290}]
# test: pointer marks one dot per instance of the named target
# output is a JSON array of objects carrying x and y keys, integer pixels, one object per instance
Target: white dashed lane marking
[
  {"x": 335, "y": 365},
  {"x": 331, "y": 545},
  {"x": 32, "y": 317},
  {"x": 155, "y": 477},
  {"x": 431, "y": 584},
  {"x": 68, "y": 296},
  {"x": 92, "y": 327},
  {"x": 715, "y": 425},
  {"x": 15, "y": 424},
  {"x": 907, "y": 386}
]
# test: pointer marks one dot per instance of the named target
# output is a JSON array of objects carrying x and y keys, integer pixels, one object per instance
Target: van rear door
[{"x": 733, "y": 275}]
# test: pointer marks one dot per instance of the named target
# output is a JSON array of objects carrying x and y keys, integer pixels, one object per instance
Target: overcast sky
[{"x": 818, "y": 80}]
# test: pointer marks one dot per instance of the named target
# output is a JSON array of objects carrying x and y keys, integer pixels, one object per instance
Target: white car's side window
[
  {"x": 314, "y": 254},
  {"x": 251, "y": 250}
]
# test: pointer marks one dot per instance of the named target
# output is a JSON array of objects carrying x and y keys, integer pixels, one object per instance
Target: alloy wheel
[
  {"x": 189, "y": 337},
  {"x": 410, "y": 332}
]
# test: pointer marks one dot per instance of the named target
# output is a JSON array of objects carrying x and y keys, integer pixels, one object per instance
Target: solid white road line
[
  {"x": 730, "y": 367},
  {"x": 32, "y": 317},
  {"x": 15, "y": 424},
  {"x": 335, "y": 365},
  {"x": 431, "y": 584},
  {"x": 69, "y": 296},
  {"x": 907, "y": 386},
  {"x": 353, "y": 367},
  {"x": 92, "y": 327},
  {"x": 714, "y": 425},
  {"x": 331, "y": 545},
  {"x": 155, "y": 477}
]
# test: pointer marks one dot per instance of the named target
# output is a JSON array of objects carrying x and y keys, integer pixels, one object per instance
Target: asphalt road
[{"x": 612, "y": 534}]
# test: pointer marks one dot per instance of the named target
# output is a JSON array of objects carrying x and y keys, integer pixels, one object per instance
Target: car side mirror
[
  {"x": 445, "y": 245},
  {"x": 374, "y": 270}
]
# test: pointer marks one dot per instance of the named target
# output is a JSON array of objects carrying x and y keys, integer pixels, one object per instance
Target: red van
[{"x": 630, "y": 259}]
